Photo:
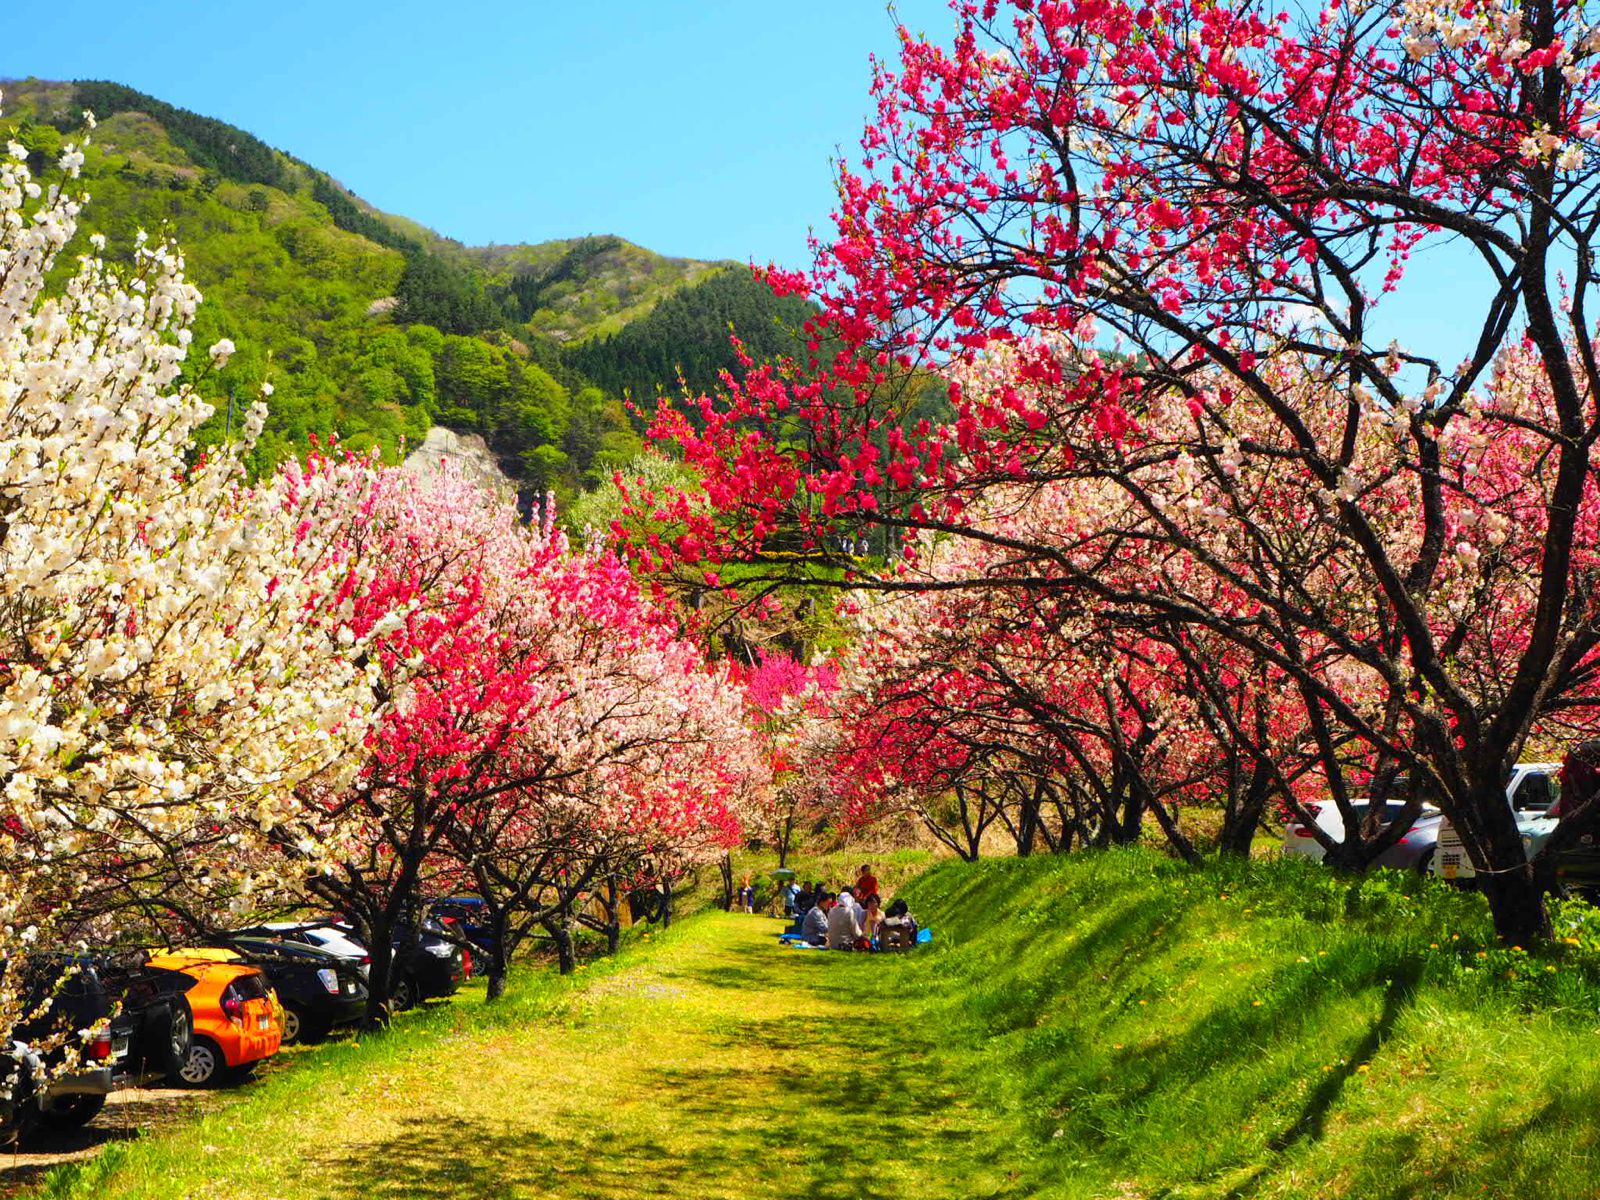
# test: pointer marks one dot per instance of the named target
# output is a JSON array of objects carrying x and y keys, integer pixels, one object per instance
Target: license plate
[
  {"x": 262, "y": 1022},
  {"x": 119, "y": 1048},
  {"x": 1449, "y": 869}
]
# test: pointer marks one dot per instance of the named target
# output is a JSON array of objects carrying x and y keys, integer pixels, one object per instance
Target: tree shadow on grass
[
  {"x": 837, "y": 1102},
  {"x": 1310, "y": 1125}
]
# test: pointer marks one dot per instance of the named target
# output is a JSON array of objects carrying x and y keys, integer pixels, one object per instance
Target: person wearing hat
[{"x": 844, "y": 924}]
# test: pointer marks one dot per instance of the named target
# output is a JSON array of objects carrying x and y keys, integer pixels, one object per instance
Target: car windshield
[
  {"x": 336, "y": 943},
  {"x": 1536, "y": 792},
  {"x": 1394, "y": 811}
]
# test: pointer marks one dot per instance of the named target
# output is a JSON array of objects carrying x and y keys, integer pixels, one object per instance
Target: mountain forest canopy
[{"x": 374, "y": 328}]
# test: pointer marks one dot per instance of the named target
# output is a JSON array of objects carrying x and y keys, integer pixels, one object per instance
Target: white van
[{"x": 1530, "y": 792}]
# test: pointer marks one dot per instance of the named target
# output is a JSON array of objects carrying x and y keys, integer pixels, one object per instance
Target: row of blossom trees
[
  {"x": 1262, "y": 549},
  {"x": 340, "y": 686}
]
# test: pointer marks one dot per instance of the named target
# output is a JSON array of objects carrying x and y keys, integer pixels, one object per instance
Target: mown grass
[
  {"x": 711, "y": 1064},
  {"x": 1112, "y": 1025},
  {"x": 1265, "y": 1030}
]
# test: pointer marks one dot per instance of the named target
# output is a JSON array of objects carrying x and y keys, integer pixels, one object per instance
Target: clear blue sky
[
  {"x": 695, "y": 127},
  {"x": 700, "y": 128}
]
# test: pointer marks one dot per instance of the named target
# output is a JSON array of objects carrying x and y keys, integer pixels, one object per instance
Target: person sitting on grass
[
  {"x": 866, "y": 882},
  {"x": 844, "y": 924},
  {"x": 899, "y": 928},
  {"x": 871, "y": 918},
  {"x": 804, "y": 900},
  {"x": 814, "y": 926}
]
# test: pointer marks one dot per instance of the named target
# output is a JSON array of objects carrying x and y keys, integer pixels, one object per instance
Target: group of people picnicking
[{"x": 853, "y": 918}]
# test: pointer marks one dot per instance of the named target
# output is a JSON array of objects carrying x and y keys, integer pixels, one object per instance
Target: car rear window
[{"x": 251, "y": 986}]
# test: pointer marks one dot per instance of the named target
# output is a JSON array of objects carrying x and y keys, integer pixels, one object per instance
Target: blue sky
[
  {"x": 698, "y": 128},
  {"x": 695, "y": 128}
]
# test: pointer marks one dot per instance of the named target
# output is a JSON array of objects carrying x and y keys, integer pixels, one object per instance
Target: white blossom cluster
[
  {"x": 1497, "y": 30},
  {"x": 171, "y": 665}
]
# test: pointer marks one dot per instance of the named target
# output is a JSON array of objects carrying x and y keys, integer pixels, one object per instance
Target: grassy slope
[
  {"x": 1108, "y": 1026},
  {"x": 1266, "y": 1031}
]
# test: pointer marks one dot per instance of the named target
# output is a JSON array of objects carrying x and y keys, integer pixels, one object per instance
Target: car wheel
[
  {"x": 180, "y": 1038},
  {"x": 1425, "y": 863},
  {"x": 205, "y": 1063},
  {"x": 70, "y": 1112},
  {"x": 404, "y": 995},
  {"x": 293, "y": 1026}
]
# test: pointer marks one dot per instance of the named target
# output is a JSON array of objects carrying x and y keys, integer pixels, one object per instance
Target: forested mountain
[
  {"x": 374, "y": 327},
  {"x": 688, "y": 332}
]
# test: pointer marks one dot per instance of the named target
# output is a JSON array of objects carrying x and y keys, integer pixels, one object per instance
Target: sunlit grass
[
  {"x": 1107, "y": 1025},
  {"x": 698, "y": 1067}
]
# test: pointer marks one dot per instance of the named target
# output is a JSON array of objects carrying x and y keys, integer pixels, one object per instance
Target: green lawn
[
  {"x": 1107, "y": 1025},
  {"x": 712, "y": 1065}
]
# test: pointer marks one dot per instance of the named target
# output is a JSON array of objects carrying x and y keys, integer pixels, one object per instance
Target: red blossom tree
[{"x": 1401, "y": 546}]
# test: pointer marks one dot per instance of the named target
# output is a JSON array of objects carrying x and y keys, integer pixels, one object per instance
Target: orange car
[{"x": 236, "y": 1016}]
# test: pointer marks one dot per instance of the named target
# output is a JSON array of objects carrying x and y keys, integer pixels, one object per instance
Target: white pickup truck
[{"x": 1530, "y": 792}]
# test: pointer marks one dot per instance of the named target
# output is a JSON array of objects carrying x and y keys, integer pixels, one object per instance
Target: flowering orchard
[
  {"x": 548, "y": 735},
  {"x": 1150, "y": 246},
  {"x": 792, "y": 710},
  {"x": 223, "y": 699}
]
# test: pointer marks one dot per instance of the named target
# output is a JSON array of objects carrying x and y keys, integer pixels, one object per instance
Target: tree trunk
[
  {"x": 1240, "y": 822},
  {"x": 561, "y": 936},
  {"x": 1175, "y": 836},
  {"x": 379, "y": 971},
  {"x": 1028, "y": 821},
  {"x": 613, "y": 918},
  {"x": 666, "y": 903},
  {"x": 1516, "y": 902},
  {"x": 726, "y": 867},
  {"x": 499, "y": 957},
  {"x": 1508, "y": 880},
  {"x": 1129, "y": 823},
  {"x": 785, "y": 840}
]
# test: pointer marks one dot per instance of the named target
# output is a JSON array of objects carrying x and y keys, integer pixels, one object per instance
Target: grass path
[{"x": 711, "y": 1065}]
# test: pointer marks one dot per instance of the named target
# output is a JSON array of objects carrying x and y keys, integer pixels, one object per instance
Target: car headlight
[
  {"x": 440, "y": 951},
  {"x": 329, "y": 978}
]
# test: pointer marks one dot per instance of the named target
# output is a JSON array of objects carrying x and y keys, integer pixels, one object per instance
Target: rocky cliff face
[{"x": 469, "y": 452}]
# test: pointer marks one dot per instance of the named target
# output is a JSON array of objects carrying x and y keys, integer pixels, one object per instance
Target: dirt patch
[{"x": 127, "y": 1114}]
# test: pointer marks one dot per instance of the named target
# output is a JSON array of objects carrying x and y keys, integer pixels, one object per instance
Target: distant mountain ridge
[{"x": 377, "y": 328}]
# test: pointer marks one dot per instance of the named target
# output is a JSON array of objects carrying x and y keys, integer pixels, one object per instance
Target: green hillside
[
  {"x": 367, "y": 324},
  {"x": 584, "y": 287},
  {"x": 687, "y": 332},
  {"x": 1258, "y": 1030}
]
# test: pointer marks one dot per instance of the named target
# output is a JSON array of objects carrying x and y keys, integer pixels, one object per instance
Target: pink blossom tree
[{"x": 1234, "y": 193}]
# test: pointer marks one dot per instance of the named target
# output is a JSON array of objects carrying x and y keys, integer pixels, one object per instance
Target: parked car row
[
  {"x": 1433, "y": 846},
  {"x": 198, "y": 1016}
]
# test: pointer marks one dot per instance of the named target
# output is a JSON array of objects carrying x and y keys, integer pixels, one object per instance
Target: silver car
[{"x": 1413, "y": 852}]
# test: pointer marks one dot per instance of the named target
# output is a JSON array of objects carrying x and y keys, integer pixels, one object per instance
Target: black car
[
  {"x": 469, "y": 917},
  {"x": 318, "y": 989},
  {"x": 427, "y": 965},
  {"x": 63, "y": 994},
  {"x": 152, "y": 1028},
  {"x": 423, "y": 967}
]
